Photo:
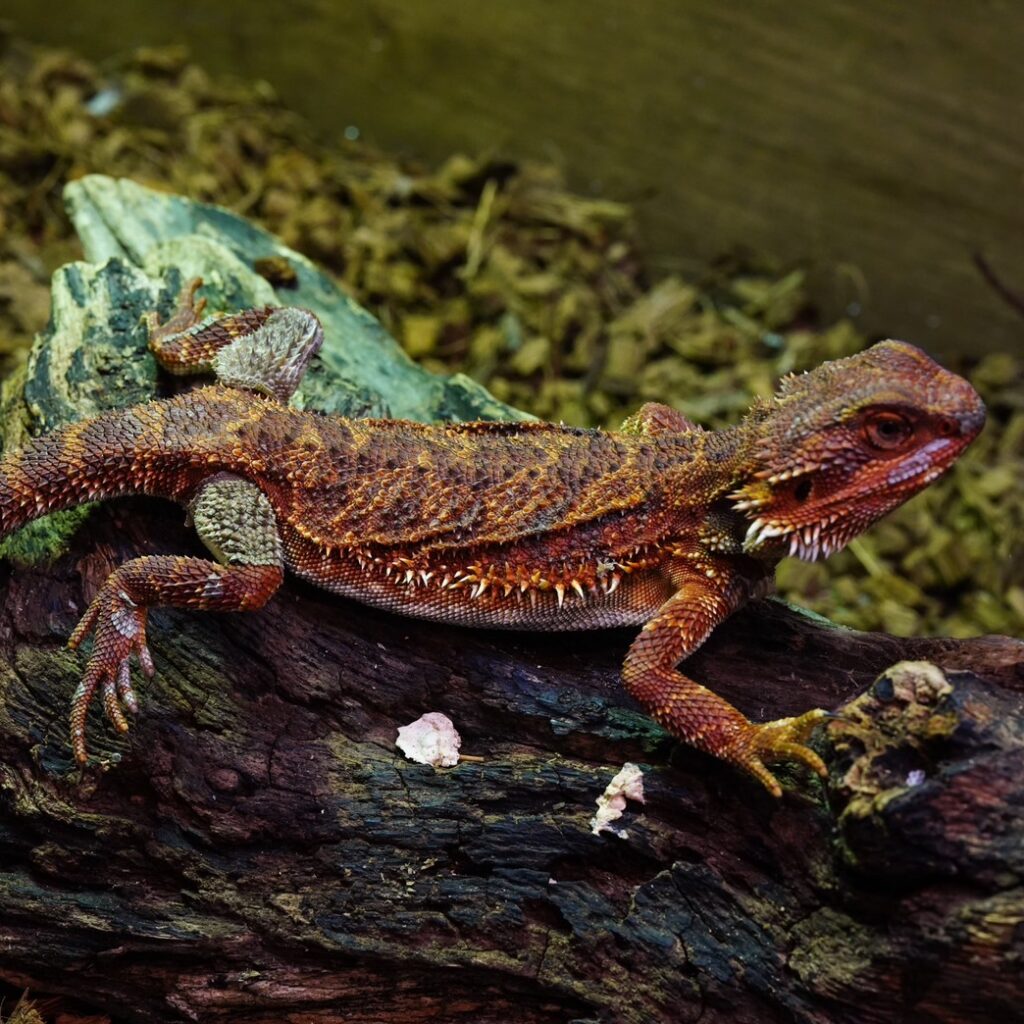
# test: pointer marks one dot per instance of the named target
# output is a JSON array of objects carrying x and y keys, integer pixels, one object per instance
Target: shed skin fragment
[
  {"x": 628, "y": 784},
  {"x": 431, "y": 739}
]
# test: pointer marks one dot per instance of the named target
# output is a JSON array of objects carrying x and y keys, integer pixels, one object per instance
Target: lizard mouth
[
  {"x": 812, "y": 534},
  {"x": 924, "y": 465}
]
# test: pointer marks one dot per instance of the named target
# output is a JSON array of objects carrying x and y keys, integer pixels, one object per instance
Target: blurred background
[{"x": 591, "y": 205}]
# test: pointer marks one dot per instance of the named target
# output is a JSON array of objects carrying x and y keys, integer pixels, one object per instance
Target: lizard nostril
[{"x": 802, "y": 491}]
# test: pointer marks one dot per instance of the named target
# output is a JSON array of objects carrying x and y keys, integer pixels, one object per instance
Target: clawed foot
[
  {"x": 187, "y": 313},
  {"x": 781, "y": 740},
  {"x": 119, "y": 626}
]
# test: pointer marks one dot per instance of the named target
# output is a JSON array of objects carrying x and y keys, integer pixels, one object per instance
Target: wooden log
[{"x": 257, "y": 849}]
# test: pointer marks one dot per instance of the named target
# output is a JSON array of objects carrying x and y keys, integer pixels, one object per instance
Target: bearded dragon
[{"x": 532, "y": 526}]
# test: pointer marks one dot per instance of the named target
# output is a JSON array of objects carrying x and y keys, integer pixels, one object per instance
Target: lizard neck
[{"x": 695, "y": 511}]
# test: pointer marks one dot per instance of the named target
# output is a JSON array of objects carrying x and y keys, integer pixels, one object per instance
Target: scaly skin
[{"x": 521, "y": 526}]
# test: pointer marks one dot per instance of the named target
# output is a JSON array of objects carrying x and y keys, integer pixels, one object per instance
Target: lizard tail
[{"x": 86, "y": 461}]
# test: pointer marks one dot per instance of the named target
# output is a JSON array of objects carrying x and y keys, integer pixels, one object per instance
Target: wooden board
[{"x": 881, "y": 142}]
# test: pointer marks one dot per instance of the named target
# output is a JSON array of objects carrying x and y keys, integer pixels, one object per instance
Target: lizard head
[{"x": 840, "y": 446}]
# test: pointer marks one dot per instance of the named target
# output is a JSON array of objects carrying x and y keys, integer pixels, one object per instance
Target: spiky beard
[
  {"x": 810, "y": 541},
  {"x": 791, "y": 533},
  {"x": 831, "y": 533}
]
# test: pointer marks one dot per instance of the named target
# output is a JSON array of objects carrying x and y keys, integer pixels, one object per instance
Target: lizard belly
[{"x": 424, "y": 595}]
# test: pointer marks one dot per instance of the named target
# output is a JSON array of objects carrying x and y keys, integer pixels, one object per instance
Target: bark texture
[{"x": 256, "y": 849}]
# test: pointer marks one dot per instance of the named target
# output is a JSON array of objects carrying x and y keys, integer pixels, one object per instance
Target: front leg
[
  {"x": 707, "y": 592},
  {"x": 235, "y": 521}
]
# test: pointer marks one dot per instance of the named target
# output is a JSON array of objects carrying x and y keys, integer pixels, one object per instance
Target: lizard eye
[{"x": 887, "y": 430}]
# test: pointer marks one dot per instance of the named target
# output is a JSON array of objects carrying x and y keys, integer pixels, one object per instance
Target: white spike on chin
[{"x": 761, "y": 530}]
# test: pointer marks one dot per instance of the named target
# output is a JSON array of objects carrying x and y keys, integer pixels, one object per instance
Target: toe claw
[
  {"x": 782, "y": 740},
  {"x": 804, "y": 755},
  {"x": 118, "y": 626},
  {"x": 801, "y": 727},
  {"x": 112, "y": 705},
  {"x": 125, "y": 692},
  {"x": 756, "y": 768},
  {"x": 85, "y": 626}
]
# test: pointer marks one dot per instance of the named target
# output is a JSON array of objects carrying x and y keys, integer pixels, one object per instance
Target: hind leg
[
  {"x": 188, "y": 342},
  {"x": 265, "y": 350},
  {"x": 235, "y": 521}
]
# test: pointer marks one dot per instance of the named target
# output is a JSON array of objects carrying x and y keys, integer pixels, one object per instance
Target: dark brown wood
[{"x": 262, "y": 849}]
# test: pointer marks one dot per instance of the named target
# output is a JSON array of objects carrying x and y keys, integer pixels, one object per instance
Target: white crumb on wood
[
  {"x": 627, "y": 785},
  {"x": 431, "y": 739}
]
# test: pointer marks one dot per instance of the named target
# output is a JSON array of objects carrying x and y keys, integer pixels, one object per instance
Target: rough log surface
[{"x": 257, "y": 849}]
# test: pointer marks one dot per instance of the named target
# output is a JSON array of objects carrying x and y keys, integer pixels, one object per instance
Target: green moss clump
[{"x": 44, "y": 540}]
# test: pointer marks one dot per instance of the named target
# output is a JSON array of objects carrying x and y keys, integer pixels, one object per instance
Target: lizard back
[{"x": 397, "y": 483}]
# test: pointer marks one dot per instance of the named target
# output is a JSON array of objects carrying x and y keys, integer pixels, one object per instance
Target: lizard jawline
[
  {"x": 809, "y": 542},
  {"x": 826, "y": 536}
]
